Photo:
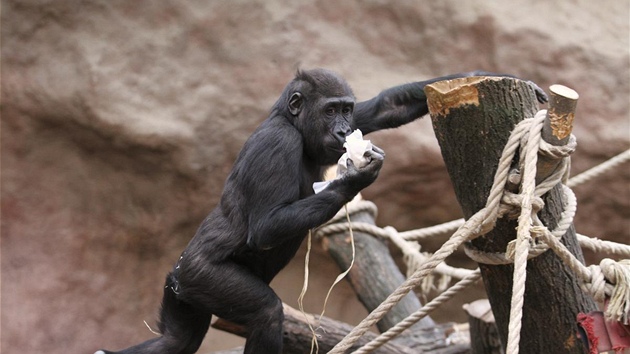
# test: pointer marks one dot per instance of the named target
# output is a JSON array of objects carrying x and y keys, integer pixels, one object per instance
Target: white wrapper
[{"x": 355, "y": 147}]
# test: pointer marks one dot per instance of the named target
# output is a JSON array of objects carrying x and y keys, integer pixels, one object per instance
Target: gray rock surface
[{"x": 121, "y": 120}]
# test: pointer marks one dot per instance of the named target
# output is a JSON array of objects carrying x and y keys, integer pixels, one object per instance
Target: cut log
[
  {"x": 472, "y": 119},
  {"x": 297, "y": 335},
  {"x": 374, "y": 276}
]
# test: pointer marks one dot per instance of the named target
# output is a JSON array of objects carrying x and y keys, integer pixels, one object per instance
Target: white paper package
[{"x": 355, "y": 147}]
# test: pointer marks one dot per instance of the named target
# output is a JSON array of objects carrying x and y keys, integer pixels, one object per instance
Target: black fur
[{"x": 268, "y": 206}]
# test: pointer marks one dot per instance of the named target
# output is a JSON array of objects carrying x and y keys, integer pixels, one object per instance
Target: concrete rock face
[{"x": 121, "y": 120}]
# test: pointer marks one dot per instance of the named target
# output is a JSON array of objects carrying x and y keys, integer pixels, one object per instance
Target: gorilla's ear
[{"x": 295, "y": 103}]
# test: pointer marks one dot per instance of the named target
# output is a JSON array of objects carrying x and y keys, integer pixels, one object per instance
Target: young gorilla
[{"x": 268, "y": 206}]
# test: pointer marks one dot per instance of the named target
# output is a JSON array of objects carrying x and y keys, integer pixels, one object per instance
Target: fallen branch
[{"x": 297, "y": 336}]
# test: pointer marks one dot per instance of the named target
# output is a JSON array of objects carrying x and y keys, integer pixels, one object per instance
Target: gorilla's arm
[
  {"x": 278, "y": 219},
  {"x": 391, "y": 108},
  {"x": 405, "y": 103},
  {"x": 277, "y": 210}
]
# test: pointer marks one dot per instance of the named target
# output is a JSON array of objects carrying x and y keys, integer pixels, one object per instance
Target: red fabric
[
  {"x": 604, "y": 335},
  {"x": 587, "y": 322},
  {"x": 619, "y": 336}
]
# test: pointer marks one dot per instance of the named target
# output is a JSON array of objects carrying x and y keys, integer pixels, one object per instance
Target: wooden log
[
  {"x": 484, "y": 337},
  {"x": 557, "y": 127},
  {"x": 297, "y": 335},
  {"x": 374, "y": 274},
  {"x": 560, "y": 115},
  {"x": 472, "y": 119}
]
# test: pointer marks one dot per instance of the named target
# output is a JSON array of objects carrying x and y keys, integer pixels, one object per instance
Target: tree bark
[
  {"x": 297, "y": 336},
  {"x": 472, "y": 119}
]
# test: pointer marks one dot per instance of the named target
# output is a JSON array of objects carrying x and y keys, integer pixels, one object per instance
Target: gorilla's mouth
[
  {"x": 336, "y": 144},
  {"x": 337, "y": 150}
]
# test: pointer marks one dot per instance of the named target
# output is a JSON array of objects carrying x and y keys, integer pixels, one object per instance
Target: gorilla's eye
[
  {"x": 346, "y": 110},
  {"x": 330, "y": 111}
]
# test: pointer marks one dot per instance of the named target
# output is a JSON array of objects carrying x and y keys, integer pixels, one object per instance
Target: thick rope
[
  {"x": 484, "y": 221},
  {"x": 535, "y": 248},
  {"x": 523, "y": 237},
  {"x": 610, "y": 279},
  {"x": 412, "y": 319},
  {"x": 414, "y": 259},
  {"x": 599, "y": 169},
  {"x": 340, "y": 227},
  {"x": 480, "y": 223},
  {"x": 428, "y": 232},
  {"x": 596, "y": 171},
  {"x": 618, "y": 273},
  {"x": 468, "y": 230},
  {"x": 593, "y": 244},
  {"x": 602, "y": 246}
]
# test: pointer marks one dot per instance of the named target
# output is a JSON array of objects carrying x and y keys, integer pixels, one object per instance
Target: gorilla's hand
[
  {"x": 541, "y": 96},
  {"x": 359, "y": 178}
]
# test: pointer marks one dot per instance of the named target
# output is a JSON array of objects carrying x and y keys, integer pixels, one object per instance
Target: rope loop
[
  {"x": 511, "y": 204},
  {"x": 338, "y": 225},
  {"x": 557, "y": 152},
  {"x": 608, "y": 281},
  {"x": 618, "y": 273},
  {"x": 596, "y": 287}
]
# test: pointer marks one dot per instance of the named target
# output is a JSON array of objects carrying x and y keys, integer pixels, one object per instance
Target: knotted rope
[
  {"x": 526, "y": 135},
  {"x": 388, "y": 335},
  {"x": 532, "y": 144},
  {"x": 479, "y": 224}
]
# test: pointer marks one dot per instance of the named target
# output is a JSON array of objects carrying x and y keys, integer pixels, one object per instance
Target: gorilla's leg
[{"x": 233, "y": 293}]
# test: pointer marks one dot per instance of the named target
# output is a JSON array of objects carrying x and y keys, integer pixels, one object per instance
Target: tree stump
[{"x": 472, "y": 119}]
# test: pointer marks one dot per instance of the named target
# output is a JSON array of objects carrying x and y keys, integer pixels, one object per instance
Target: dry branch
[{"x": 297, "y": 335}]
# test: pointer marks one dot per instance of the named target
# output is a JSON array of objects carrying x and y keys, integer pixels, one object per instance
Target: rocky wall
[{"x": 121, "y": 120}]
